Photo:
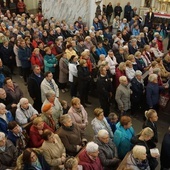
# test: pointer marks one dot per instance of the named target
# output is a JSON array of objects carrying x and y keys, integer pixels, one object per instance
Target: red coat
[
  {"x": 89, "y": 164},
  {"x": 160, "y": 45},
  {"x": 36, "y": 139},
  {"x": 37, "y": 60},
  {"x": 119, "y": 73}
]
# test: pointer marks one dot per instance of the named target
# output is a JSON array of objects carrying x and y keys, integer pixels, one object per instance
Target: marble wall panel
[{"x": 69, "y": 10}]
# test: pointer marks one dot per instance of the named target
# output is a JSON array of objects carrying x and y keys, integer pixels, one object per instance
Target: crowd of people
[{"x": 120, "y": 61}]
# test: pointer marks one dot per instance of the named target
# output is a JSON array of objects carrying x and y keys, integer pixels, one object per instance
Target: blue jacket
[
  {"x": 49, "y": 61},
  {"x": 152, "y": 94},
  {"x": 101, "y": 51},
  {"x": 122, "y": 139},
  {"x": 24, "y": 54},
  {"x": 4, "y": 124}
]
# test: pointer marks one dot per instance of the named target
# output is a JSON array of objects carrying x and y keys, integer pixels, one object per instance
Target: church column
[
  {"x": 153, "y": 3},
  {"x": 142, "y": 4}
]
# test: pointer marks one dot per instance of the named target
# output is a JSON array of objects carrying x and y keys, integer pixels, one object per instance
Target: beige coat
[
  {"x": 123, "y": 97},
  {"x": 53, "y": 152}
]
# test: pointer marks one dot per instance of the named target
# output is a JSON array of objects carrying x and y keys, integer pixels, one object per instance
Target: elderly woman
[
  {"x": 151, "y": 119},
  {"x": 5, "y": 118},
  {"x": 36, "y": 131},
  {"x": 37, "y": 59},
  {"x": 116, "y": 24},
  {"x": 89, "y": 158},
  {"x": 107, "y": 150},
  {"x": 122, "y": 96},
  {"x": 137, "y": 159},
  {"x": 50, "y": 61},
  {"x": 140, "y": 62},
  {"x": 57, "y": 110},
  {"x": 25, "y": 113},
  {"x": 88, "y": 42},
  {"x": 63, "y": 72},
  {"x": 130, "y": 72},
  {"x": 152, "y": 91},
  {"x": 33, "y": 159},
  {"x": 8, "y": 153},
  {"x": 69, "y": 51},
  {"x": 120, "y": 71},
  {"x": 53, "y": 150},
  {"x": 71, "y": 135},
  {"x": 78, "y": 113},
  {"x": 71, "y": 163},
  {"x": 100, "y": 122},
  {"x": 123, "y": 135},
  {"x": 142, "y": 139},
  {"x": 137, "y": 96}
]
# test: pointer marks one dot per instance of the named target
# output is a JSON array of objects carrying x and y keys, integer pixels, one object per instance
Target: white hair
[
  {"x": 138, "y": 73},
  {"x": 138, "y": 151},
  {"x": 2, "y": 106},
  {"x": 92, "y": 147},
  {"x": 101, "y": 55},
  {"x": 2, "y": 135},
  {"x": 23, "y": 100},
  {"x": 102, "y": 133},
  {"x": 122, "y": 78},
  {"x": 152, "y": 77}
]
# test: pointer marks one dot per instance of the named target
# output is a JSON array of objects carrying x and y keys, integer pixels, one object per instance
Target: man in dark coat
[
  {"x": 104, "y": 90},
  {"x": 127, "y": 11},
  {"x": 7, "y": 55},
  {"x": 149, "y": 19},
  {"x": 118, "y": 10},
  {"x": 109, "y": 11},
  {"x": 165, "y": 151},
  {"x": 137, "y": 88},
  {"x": 34, "y": 90}
]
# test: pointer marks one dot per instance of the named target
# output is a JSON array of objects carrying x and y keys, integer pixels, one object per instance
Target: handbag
[{"x": 163, "y": 99}]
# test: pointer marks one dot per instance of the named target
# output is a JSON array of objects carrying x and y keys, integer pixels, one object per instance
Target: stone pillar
[
  {"x": 142, "y": 4},
  {"x": 31, "y": 4},
  {"x": 153, "y": 3}
]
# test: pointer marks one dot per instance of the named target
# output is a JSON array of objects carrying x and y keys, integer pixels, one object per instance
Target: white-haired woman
[
  {"x": 5, "y": 118},
  {"x": 143, "y": 139},
  {"x": 57, "y": 110},
  {"x": 25, "y": 112},
  {"x": 152, "y": 92},
  {"x": 107, "y": 150},
  {"x": 122, "y": 96},
  {"x": 89, "y": 159},
  {"x": 137, "y": 160}
]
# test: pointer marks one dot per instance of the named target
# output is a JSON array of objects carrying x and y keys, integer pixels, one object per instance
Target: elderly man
[
  {"x": 122, "y": 96},
  {"x": 8, "y": 153},
  {"x": 34, "y": 90},
  {"x": 137, "y": 95},
  {"x": 25, "y": 112},
  {"x": 107, "y": 150},
  {"x": 48, "y": 84},
  {"x": 89, "y": 159},
  {"x": 7, "y": 101},
  {"x": 5, "y": 117}
]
